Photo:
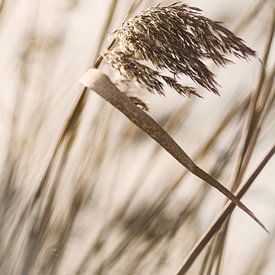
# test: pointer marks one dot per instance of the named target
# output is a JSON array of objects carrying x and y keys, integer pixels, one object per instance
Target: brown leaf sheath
[{"x": 102, "y": 85}]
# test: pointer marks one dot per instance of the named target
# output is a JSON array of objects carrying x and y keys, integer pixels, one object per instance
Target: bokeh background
[{"x": 90, "y": 193}]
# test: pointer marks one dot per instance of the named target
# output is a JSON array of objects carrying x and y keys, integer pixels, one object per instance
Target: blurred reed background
[{"x": 84, "y": 191}]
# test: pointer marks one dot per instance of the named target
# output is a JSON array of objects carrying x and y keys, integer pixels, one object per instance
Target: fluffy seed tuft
[{"x": 178, "y": 39}]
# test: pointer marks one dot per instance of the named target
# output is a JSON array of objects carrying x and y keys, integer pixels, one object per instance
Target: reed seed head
[{"x": 176, "y": 38}]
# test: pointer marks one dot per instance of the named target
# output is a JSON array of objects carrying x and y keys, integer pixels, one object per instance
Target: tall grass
[{"x": 85, "y": 191}]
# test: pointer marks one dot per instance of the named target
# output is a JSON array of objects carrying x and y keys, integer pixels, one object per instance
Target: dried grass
[{"x": 102, "y": 198}]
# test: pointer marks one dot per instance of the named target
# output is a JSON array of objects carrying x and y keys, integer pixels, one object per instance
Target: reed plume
[{"x": 176, "y": 39}]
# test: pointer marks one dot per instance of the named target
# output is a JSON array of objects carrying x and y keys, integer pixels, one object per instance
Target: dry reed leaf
[{"x": 102, "y": 85}]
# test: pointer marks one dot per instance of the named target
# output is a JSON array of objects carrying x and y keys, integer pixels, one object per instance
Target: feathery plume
[{"x": 178, "y": 39}]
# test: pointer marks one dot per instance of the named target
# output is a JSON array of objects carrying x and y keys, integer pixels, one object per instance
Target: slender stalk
[
  {"x": 219, "y": 221},
  {"x": 260, "y": 105}
]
